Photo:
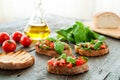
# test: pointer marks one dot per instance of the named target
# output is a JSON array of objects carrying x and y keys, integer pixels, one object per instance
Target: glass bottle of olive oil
[{"x": 37, "y": 27}]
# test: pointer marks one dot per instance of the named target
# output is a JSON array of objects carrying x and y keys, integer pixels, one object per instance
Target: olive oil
[
  {"x": 37, "y": 31},
  {"x": 37, "y": 28}
]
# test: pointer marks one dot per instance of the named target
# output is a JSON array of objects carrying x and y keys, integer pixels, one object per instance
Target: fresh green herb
[
  {"x": 92, "y": 41},
  {"x": 70, "y": 37},
  {"x": 85, "y": 58},
  {"x": 71, "y": 60},
  {"x": 78, "y": 33},
  {"x": 51, "y": 39},
  {"x": 59, "y": 37},
  {"x": 46, "y": 48},
  {"x": 84, "y": 47},
  {"x": 41, "y": 46},
  {"x": 40, "y": 41},
  {"x": 101, "y": 38},
  {"x": 97, "y": 45},
  {"x": 63, "y": 56},
  {"x": 65, "y": 31},
  {"x": 59, "y": 47}
]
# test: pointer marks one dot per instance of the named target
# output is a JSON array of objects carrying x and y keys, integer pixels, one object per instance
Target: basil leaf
[
  {"x": 59, "y": 37},
  {"x": 51, "y": 39},
  {"x": 63, "y": 56},
  {"x": 64, "y": 32},
  {"x": 79, "y": 32},
  {"x": 70, "y": 37},
  {"x": 101, "y": 38},
  {"x": 71, "y": 60},
  {"x": 97, "y": 45},
  {"x": 85, "y": 58},
  {"x": 89, "y": 34},
  {"x": 59, "y": 47}
]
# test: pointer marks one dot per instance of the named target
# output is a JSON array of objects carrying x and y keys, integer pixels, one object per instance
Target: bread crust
[
  {"x": 68, "y": 71},
  {"x": 95, "y": 18},
  {"x": 92, "y": 53},
  {"x": 15, "y": 61},
  {"x": 53, "y": 53}
]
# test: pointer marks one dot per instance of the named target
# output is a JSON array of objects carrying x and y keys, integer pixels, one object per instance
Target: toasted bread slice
[
  {"x": 61, "y": 66},
  {"x": 107, "y": 20},
  {"x": 68, "y": 71},
  {"x": 53, "y": 53},
  {"x": 91, "y": 53},
  {"x": 16, "y": 60}
]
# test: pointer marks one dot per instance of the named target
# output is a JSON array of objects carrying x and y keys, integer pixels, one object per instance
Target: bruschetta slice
[
  {"x": 93, "y": 48},
  {"x": 67, "y": 65},
  {"x": 16, "y": 60},
  {"x": 52, "y": 47}
]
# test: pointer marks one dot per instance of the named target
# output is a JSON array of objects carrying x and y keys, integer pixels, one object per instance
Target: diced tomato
[
  {"x": 79, "y": 62},
  {"x": 50, "y": 62},
  {"x": 63, "y": 61},
  {"x": 86, "y": 45},
  {"x": 47, "y": 42},
  {"x": 61, "y": 64},
  {"x": 73, "y": 57},
  {"x": 69, "y": 65},
  {"x": 81, "y": 45},
  {"x": 103, "y": 46},
  {"x": 66, "y": 46},
  {"x": 95, "y": 41},
  {"x": 92, "y": 46},
  {"x": 82, "y": 59},
  {"x": 37, "y": 44},
  {"x": 56, "y": 63},
  {"x": 51, "y": 45}
]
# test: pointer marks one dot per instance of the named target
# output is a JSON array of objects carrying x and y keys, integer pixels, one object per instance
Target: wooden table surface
[{"x": 105, "y": 67}]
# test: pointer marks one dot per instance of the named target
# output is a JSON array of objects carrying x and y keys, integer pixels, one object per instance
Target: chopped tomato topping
[
  {"x": 69, "y": 65},
  {"x": 103, "y": 46},
  {"x": 79, "y": 62},
  {"x": 95, "y": 40},
  {"x": 37, "y": 44},
  {"x": 61, "y": 64},
  {"x": 50, "y": 62},
  {"x": 92, "y": 46},
  {"x": 63, "y": 61},
  {"x": 73, "y": 57},
  {"x": 86, "y": 44},
  {"x": 66, "y": 46},
  {"x": 51, "y": 45},
  {"x": 56, "y": 63},
  {"x": 47, "y": 42}
]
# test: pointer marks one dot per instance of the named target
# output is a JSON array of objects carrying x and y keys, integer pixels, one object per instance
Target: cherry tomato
[
  {"x": 103, "y": 46},
  {"x": 4, "y": 36},
  {"x": 9, "y": 45},
  {"x": 69, "y": 65},
  {"x": 25, "y": 41},
  {"x": 16, "y": 36}
]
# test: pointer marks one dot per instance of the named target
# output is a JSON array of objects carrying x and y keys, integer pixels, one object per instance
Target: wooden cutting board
[{"x": 115, "y": 33}]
